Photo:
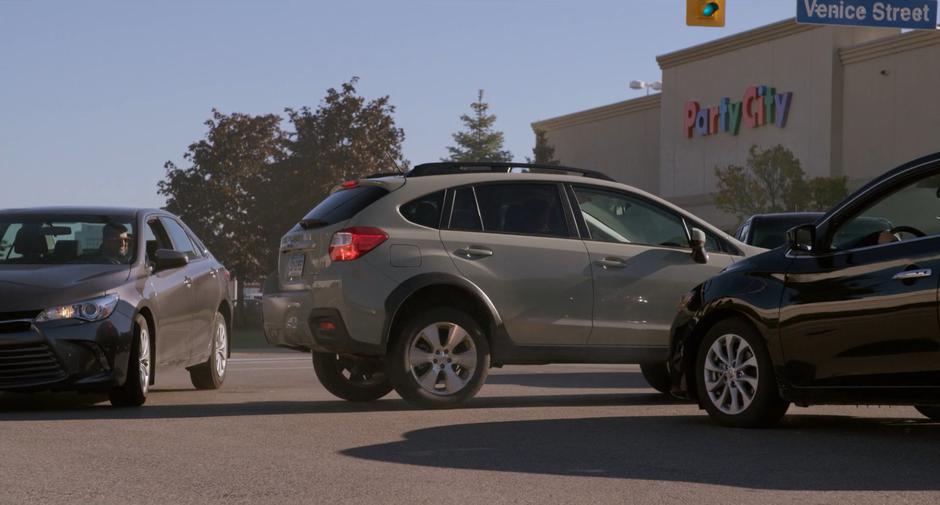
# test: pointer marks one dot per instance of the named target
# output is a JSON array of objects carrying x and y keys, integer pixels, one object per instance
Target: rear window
[{"x": 342, "y": 205}]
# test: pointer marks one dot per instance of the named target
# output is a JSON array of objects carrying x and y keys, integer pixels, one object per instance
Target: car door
[
  {"x": 202, "y": 279},
  {"x": 172, "y": 300},
  {"x": 641, "y": 264},
  {"x": 862, "y": 310},
  {"x": 517, "y": 242}
]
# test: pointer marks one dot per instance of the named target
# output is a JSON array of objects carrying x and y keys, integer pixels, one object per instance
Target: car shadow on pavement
[
  {"x": 803, "y": 453},
  {"x": 597, "y": 380},
  {"x": 70, "y": 406}
]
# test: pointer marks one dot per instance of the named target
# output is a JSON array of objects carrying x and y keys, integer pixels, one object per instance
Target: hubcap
[
  {"x": 221, "y": 348},
  {"x": 731, "y": 374},
  {"x": 442, "y": 358},
  {"x": 143, "y": 365}
]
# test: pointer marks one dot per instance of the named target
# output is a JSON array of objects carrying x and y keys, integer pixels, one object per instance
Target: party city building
[{"x": 848, "y": 101}]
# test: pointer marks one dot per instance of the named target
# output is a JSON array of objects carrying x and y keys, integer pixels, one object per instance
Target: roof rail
[{"x": 459, "y": 167}]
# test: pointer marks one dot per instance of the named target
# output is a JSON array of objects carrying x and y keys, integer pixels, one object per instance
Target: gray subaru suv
[{"x": 421, "y": 282}]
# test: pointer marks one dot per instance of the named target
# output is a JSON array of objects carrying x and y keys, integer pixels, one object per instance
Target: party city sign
[
  {"x": 762, "y": 105},
  {"x": 916, "y": 14}
]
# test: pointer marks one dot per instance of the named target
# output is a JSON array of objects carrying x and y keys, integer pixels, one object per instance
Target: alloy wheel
[
  {"x": 442, "y": 358},
  {"x": 143, "y": 365},
  {"x": 731, "y": 374},
  {"x": 221, "y": 348}
]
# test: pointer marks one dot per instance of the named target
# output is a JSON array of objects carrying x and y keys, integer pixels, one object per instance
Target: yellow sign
[{"x": 705, "y": 13}]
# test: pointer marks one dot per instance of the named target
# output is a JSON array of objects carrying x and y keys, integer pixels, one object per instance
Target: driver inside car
[{"x": 115, "y": 243}]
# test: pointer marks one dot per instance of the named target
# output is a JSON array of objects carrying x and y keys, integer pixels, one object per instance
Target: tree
[
  {"x": 480, "y": 142},
  {"x": 543, "y": 151},
  {"x": 774, "y": 181},
  {"x": 217, "y": 194}
]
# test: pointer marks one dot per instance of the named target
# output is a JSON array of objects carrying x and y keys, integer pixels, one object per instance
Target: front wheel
[
  {"x": 352, "y": 378},
  {"x": 929, "y": 411},
  {"x": 440, "y": 359},
  {"x": 211, "y": 374},
  {"x": 657, "y": 376},
  {"x": 735, "y": 377},
  {"x": 134, "y": 391}
]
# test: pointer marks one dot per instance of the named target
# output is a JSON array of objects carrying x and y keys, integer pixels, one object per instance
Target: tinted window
[
  {"x": 425, "y": 211},
  {"x": 465, "y": 215},
  {"x": 343, "y": 205},
  {"x": 50, "y": 239},
  {"x": 915, "y": 207},
  {"x": 771, "y": 233},
  {"x": 180, "y": 238},
  {"x": 527, "y": 209},
  {"x": 615, "y": 217}
]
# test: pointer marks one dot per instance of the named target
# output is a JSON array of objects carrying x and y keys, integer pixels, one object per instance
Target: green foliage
[
  {"x": 774, "y": 181},
  {"x": 543, "y": 151},
  {"x": 480, "y": 142},
  {"x": 249, "y": 181}
]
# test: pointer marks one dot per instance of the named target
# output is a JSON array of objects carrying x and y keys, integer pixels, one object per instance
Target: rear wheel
[
  {"x": 736, "y": 381},
  {"x": 930, "y": 411},
  {"x": 134, "y": 391},
  {"x": 657, "y": 376},
  {"x": 440, "y": 359},
  {"x": 211, "y": 374},
  {"x": 352, "y": 378}
]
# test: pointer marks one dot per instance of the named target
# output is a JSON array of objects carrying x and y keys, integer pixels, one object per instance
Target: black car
[
  {"x": 769, "y": 231},
  {"x": 97, "y": 299},
  {"x": 844, "y": 314}
]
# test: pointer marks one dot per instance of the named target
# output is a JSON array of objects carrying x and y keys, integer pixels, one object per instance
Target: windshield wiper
[{"x": 312, "y": 223}]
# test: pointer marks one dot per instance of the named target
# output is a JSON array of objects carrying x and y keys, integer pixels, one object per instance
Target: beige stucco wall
[
  {"x": 892, "y": 109},
  {"x": 620, "y": 140}
]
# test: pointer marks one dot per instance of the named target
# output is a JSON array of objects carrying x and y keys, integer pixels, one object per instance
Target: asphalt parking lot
[{"x": 549, "y": 434}]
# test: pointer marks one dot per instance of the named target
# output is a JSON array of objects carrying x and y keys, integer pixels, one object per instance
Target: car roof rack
[{"x": 477, "y": 167}]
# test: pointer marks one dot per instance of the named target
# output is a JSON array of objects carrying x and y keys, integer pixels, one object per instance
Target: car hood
[{"x": 36, "y": 287}]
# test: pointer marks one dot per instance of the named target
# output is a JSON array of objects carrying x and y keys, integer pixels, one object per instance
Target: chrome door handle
[
  {"x": 611, "y": 262},
  {"x": 212, "y": 273},
  {"x": 188, "y": 282},
  {"x": 913, "y": 274},
  {"x": 474, "y": 252}
]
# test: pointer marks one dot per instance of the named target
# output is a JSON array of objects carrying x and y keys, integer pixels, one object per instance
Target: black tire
[
  {"x": 211, "y": 374},
  {"x": 133, "y": 393},
  {"x": 657, "y": 376},
  {"x": 472, "y": 345},
  {"x": 352, "y": 378},
  {"x": 929, "y": 411},
  {"x": 766, "y": 407}
]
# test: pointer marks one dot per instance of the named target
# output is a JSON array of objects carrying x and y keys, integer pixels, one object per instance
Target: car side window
[
  {"x": 908, "y": 212},
  {"x": 155, "y": 237},
  {"x": 616, "y": 217},
  {"x": 181, "y": 240},
  {"x": 425, "y": 210},
  {"x": 465, "y": 215},
  {"x": 523, "y": 209}
]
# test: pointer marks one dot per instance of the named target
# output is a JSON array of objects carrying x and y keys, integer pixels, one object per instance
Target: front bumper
[{"x": 65, "y": 355}]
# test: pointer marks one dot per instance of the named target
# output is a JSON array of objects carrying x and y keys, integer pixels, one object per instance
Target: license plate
[{"x": 295, "y": 266}]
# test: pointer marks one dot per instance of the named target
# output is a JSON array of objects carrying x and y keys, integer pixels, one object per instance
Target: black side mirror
[
  {"x": 166, "y": 259},
  {"x": 802, "y": 238},
  {"x": 698, "y": 246}
]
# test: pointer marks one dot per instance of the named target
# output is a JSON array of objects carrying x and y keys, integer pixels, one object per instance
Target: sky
[{"x": 95, "y": 96}]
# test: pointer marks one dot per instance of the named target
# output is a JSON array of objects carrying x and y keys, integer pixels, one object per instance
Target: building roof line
[
  {"x": 889, "y": 45},
  {"x": 623, "y": 108},
  {"x": 766, "y": 33}
]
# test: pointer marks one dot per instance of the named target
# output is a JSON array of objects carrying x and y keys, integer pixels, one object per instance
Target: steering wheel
[{"x": 906, "y": 229}]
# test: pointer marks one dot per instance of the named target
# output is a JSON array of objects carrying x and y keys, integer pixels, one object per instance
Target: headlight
[{"x": 95, "y": 309}]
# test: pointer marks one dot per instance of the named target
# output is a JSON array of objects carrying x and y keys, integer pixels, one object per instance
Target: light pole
[{"x": 655, "y": 86}]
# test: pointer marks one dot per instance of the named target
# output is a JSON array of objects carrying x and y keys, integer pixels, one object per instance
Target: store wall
[
  {"x": 892, "y": 108},
  {"x": 620, "y": 140}
]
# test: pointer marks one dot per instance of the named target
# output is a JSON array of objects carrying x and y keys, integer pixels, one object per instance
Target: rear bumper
[
  {"x": 292, "y": 320},
  {"x": 65, "y": 355}
]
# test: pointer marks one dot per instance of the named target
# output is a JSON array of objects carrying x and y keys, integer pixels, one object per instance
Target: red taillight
[
  {"x": 349, "y": 184},
  {"x": 354, "y": 242}
]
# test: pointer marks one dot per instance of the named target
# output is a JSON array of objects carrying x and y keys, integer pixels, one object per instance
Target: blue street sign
[{"x": 915, "y": 14}]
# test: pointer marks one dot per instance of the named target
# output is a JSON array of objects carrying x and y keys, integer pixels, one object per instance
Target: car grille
[
  {"x": 17, "y": 322},
  {"x": 25, "y": 364}
]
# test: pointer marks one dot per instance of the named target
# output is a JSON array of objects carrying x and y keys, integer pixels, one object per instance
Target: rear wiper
[{"x": 312, "y": 223}]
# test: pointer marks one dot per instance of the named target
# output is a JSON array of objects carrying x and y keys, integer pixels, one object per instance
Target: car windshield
[
  {"x": 58, "y": 240},
  {"x": 772, "y": 233}
]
